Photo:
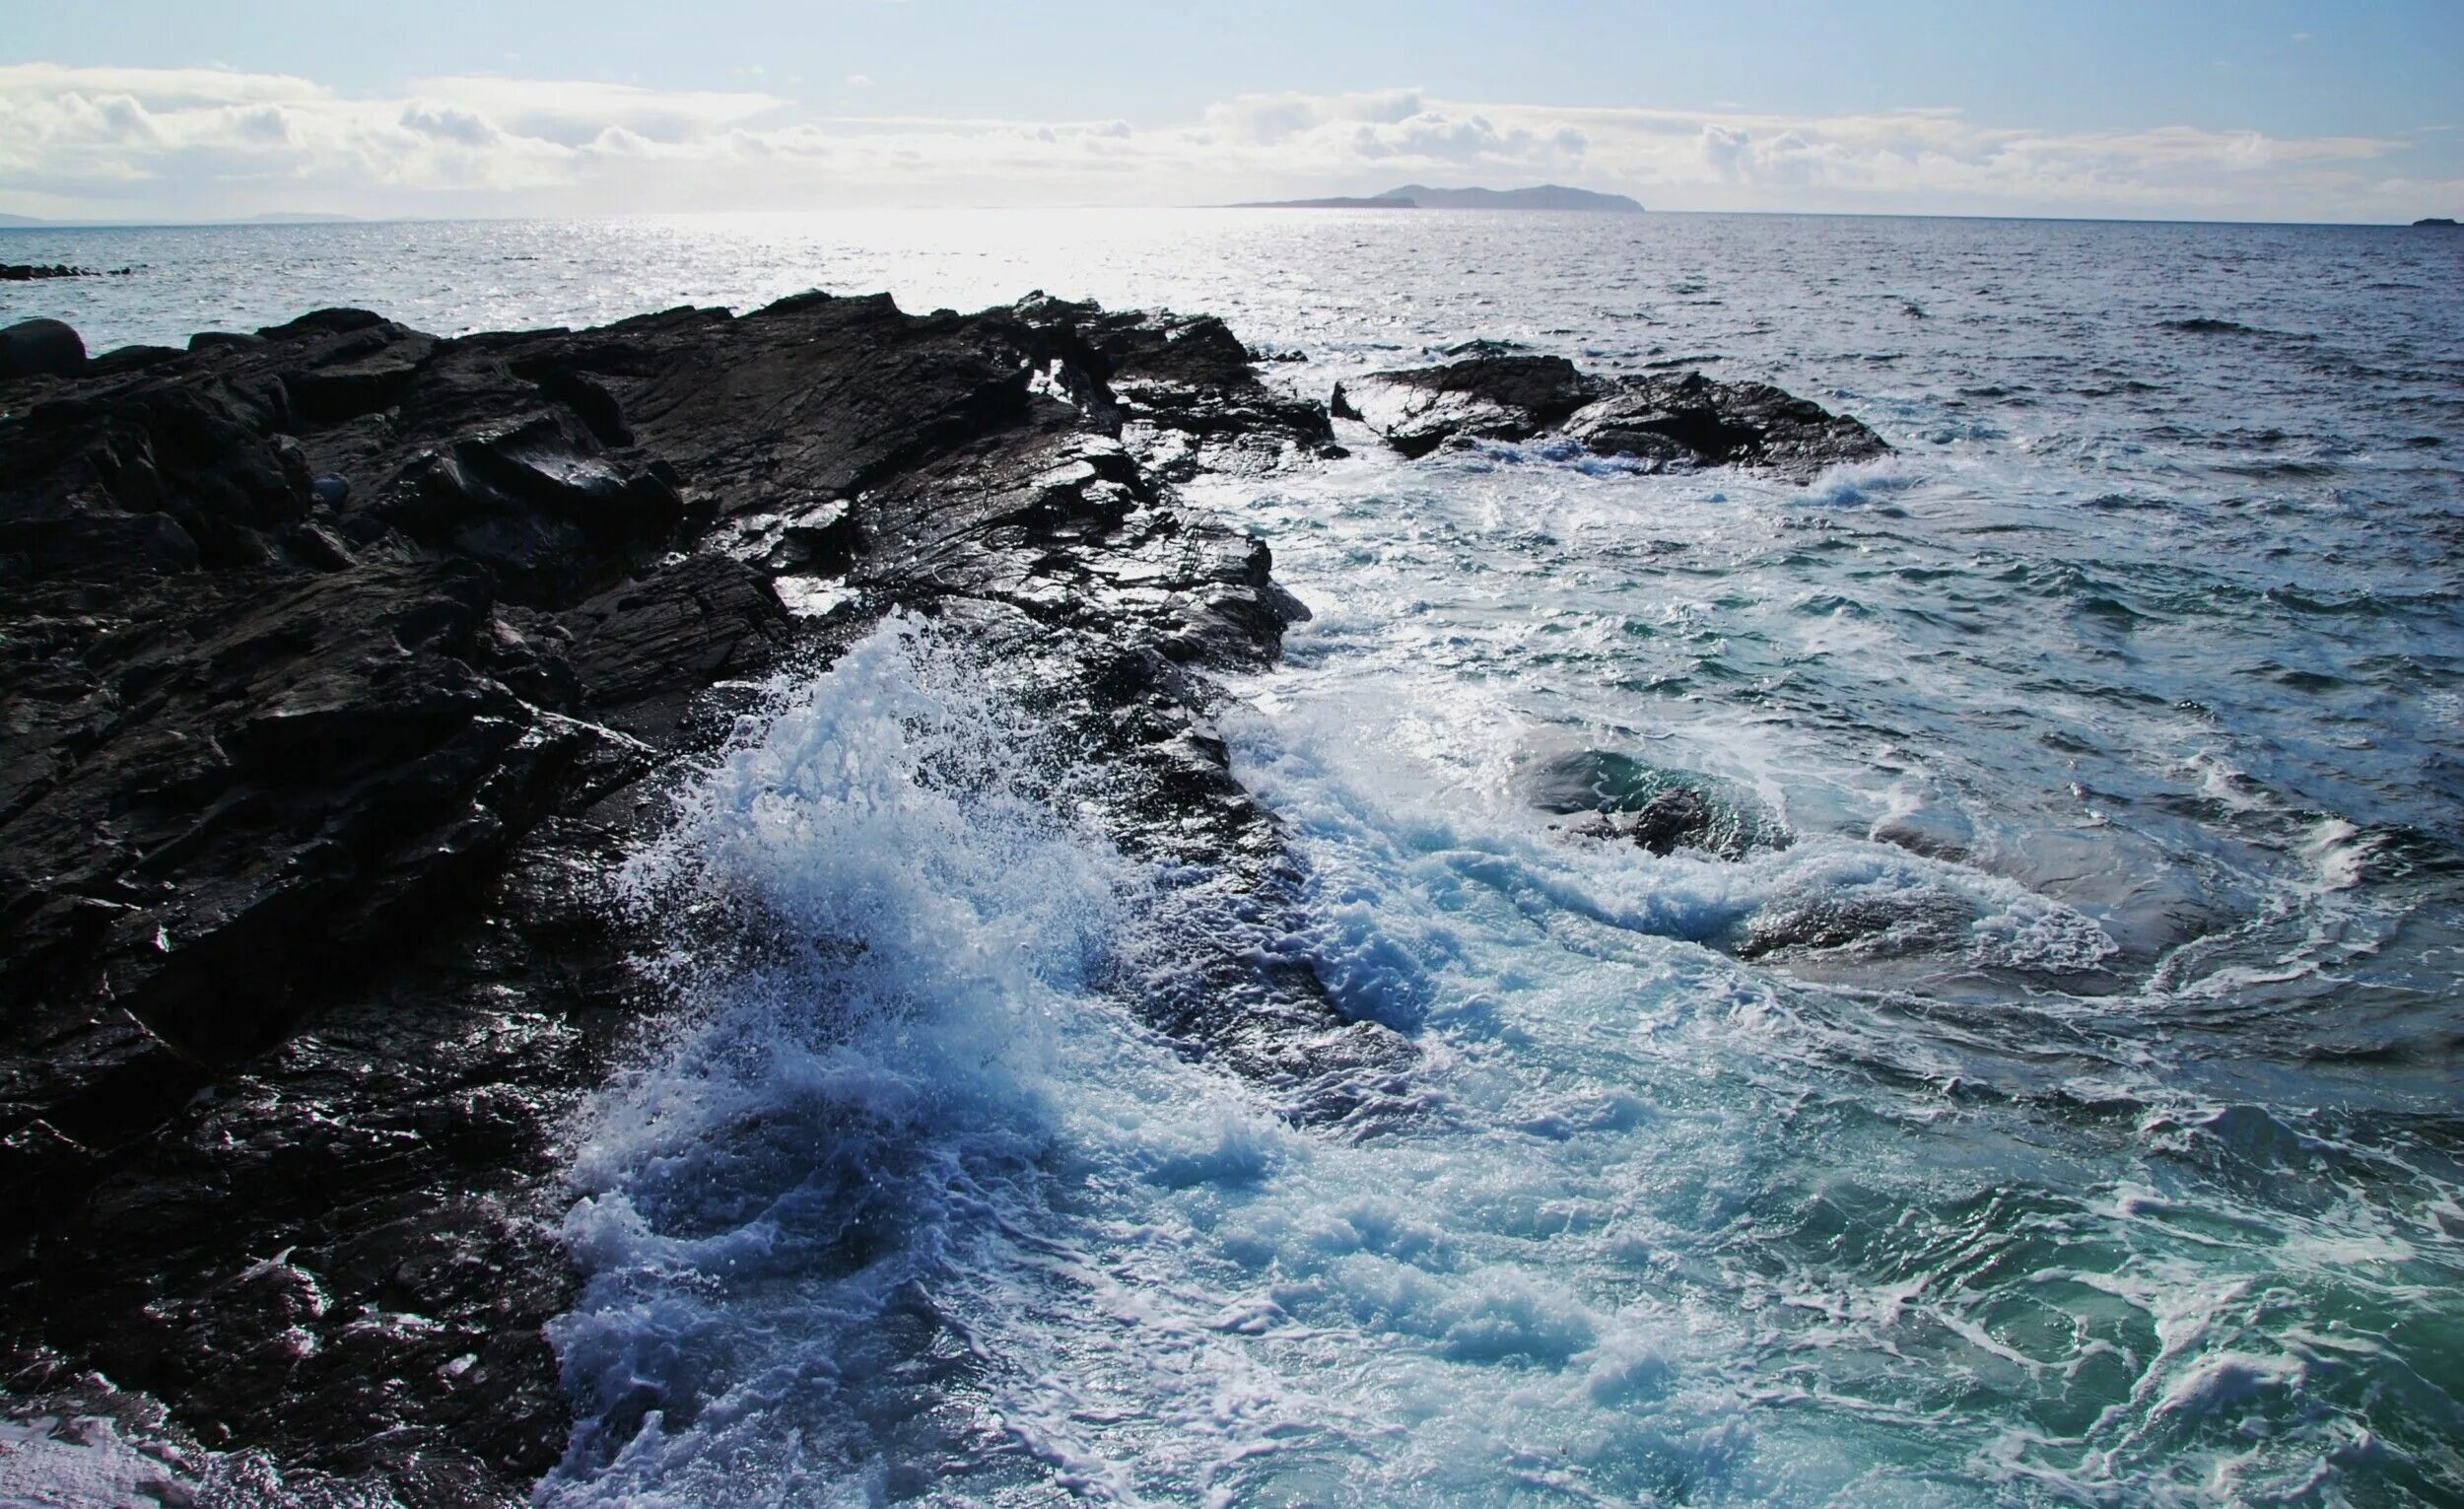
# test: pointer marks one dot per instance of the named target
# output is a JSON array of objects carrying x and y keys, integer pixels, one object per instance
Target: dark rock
[
  {"x": 34, "y": 348},
  {"x": 1692, "y": 421},
  {"x": 121, "y": 359},
  {"x": 1678, "y": 815},
  {"x": 1618, "y": 797},
  {"x": 22, "y": 272},
  {"x": 306, "y": 785},
  {"x": 1859, "y": 925},
  {"x": 1487, "y": 396},
  {"x": 1684, "y": 421},
  {"x": 1181, "y": 392}
]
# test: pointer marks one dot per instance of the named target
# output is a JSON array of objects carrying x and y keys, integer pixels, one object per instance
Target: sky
[{"x": 2261, "y": 109}]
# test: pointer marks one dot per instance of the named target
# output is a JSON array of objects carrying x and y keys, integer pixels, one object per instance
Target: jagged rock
[
  {"x": 1485, "y": 397},
  {"x": 337, "y": 661},
  {"x": 1692, "y": 421},
  {"x": 1683, "y": 421}
]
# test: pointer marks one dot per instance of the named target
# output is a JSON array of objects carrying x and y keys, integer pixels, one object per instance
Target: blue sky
[{"x": 2269, "y": 108}]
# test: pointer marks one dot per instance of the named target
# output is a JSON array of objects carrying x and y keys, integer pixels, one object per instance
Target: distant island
[
  {"x": 1420, "y": 196},
  {"x": 2436, "y": 219}
]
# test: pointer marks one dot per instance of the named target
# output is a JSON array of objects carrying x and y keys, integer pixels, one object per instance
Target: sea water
[{"x": 2065, "y": 1111}]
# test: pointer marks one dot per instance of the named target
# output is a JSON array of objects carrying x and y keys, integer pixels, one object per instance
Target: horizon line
[{"x": 282, "y": 220}]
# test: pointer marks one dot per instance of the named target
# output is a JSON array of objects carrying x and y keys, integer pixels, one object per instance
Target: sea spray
[{"x": 876, "y": 919}]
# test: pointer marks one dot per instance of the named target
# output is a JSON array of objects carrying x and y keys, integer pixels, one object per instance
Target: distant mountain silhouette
[{"x": 1420, "y": 196}]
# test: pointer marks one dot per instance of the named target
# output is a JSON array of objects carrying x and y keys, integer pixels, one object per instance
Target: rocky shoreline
[{"x": 339, "y": 661}]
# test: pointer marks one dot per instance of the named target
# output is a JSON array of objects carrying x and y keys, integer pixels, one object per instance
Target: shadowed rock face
[
  {"x": 1676, "y": 422},
  {"x": 337, "y": 662}
]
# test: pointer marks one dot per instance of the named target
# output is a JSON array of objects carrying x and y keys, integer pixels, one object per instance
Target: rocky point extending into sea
[{"x": 339, "y": 664}]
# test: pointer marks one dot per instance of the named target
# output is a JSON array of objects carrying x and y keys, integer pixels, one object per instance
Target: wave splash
[
  {"x": 912, "y": 1198},
  {"x": 880, "y": 924}
]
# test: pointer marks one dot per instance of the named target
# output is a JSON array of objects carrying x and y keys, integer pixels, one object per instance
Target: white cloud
[
  {"x": 445, "y": 122},
  {"x": 207, "y": 141}
]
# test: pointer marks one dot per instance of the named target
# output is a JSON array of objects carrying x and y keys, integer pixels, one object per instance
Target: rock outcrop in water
[
  {"x": 336, "y": 663},
  {"x": 28, "y": 272},
  {"x": 1673, "y": 422},
  {"x": 1618, "y": 797}
]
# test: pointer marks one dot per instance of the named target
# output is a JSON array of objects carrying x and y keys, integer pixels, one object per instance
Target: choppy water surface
[{"x": 2066, "y": 1113}]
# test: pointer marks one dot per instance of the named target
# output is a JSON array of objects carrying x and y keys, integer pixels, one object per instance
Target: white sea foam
[
  {"x": 911, "y": 1193},
  {"x": 915, "y": 1103}
]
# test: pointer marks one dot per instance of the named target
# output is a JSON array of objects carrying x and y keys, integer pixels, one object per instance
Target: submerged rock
[
  {"x": 336, "y": 665},
  {"x": 1685, "y": 420},
  {"x": 1617, "y": 796},
  {"x": 1869, "y": 923}
]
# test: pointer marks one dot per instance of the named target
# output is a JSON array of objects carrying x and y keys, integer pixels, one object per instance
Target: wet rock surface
[
  {"x": 1665, "y": 421},
  {"x": 338, "y": 662},
  {"x": 1612, "y": 796}
]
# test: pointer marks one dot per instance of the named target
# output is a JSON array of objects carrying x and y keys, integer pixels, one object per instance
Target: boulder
[{"x": 34, "y": 348}]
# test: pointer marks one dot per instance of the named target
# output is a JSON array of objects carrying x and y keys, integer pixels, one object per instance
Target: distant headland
[
  {"x": 2435, "y": 221},
  {"x": 1420, "y": 196}
]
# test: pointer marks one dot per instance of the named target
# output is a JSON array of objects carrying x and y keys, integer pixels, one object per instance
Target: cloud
[
  {"x": 445, "y": 122},
  {"x": 208, "y": 141}
]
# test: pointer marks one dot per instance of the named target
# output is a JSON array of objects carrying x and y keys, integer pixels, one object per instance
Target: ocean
[{"x": 2059, "y": 1104}]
